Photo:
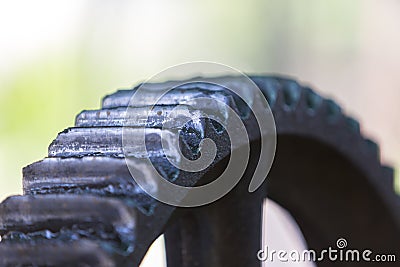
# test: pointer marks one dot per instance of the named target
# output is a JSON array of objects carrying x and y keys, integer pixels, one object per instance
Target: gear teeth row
[
  {"x": 82, "y": 198},
  {"x": 295, "y": 98},
  {"x": 283, "y": 93},
  {"x": 289, "y": 98},
  {"x": 56, "y": 253}
]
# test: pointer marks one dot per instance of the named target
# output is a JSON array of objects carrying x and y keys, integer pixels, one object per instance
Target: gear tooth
[
  {"x": 107, "y": 141},
  {"x": 79, "y": 142},
  {"x": 81, "y": 116},
  {"x": 120, "y": 98},
  {"x": 291, "y": 94},
  {"x": 353, "y": 125},
  {"x": 312, "y": 100},
  {"x": 147, "y": 116},
  {"x": 389, "y": 171},
  {"x": 53, "y": 144},
  {"x": 373, "y": 147},
  {"x": 46, "y": 211},
  {"x": 271, "y": 95},
  {"x": 55, "y": 253},
  {"x": 388, "y": 177},
  {"x": 333, "y": 110},
  {"x": 64, "y": 216},
  {"x": 101, "y": 176},
  {"x": 182, "y": 93},
  {"x": 269, "y": 87},
  {"x": 101, "y": 118}
]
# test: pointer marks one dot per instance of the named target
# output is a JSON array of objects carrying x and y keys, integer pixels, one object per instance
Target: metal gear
[{"x": 82, "y": 208}]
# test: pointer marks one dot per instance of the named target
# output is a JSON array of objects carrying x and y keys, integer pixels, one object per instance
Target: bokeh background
[{"x": 59, "y": 57}]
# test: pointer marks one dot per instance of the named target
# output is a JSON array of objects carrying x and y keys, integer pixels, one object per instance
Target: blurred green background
[{"x": 59, "y": 57}]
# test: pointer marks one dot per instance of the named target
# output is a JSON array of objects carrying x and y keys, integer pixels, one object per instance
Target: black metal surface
[{"x": 325, "y": 174}]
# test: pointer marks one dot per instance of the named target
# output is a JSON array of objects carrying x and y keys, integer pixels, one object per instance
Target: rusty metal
[{"x": 81, "y": 201}]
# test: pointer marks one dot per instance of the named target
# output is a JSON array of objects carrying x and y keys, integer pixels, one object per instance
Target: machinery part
[
  {"x": 82, "y": 198},
  {"x": 50, "y": 253}
]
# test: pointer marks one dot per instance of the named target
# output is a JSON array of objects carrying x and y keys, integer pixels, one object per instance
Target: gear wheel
[{"x": 82, "y": 208}]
